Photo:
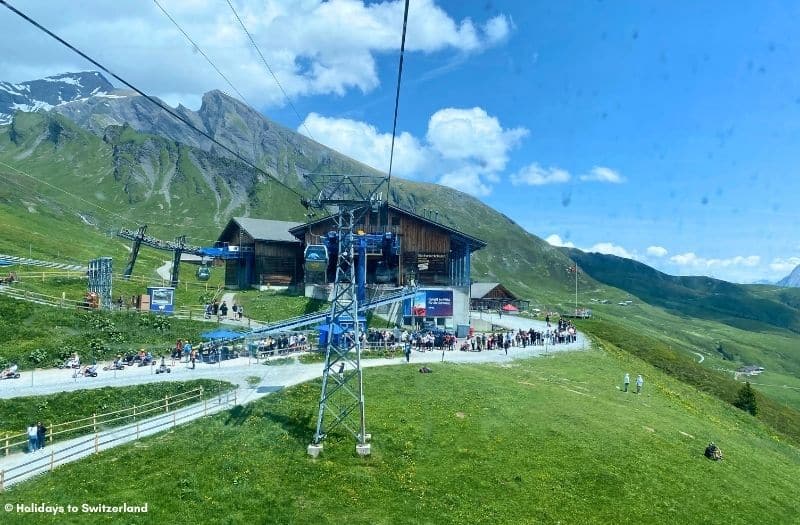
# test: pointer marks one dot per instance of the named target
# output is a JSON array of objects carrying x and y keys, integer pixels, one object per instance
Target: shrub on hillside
[{"x": 746, "y": 399}]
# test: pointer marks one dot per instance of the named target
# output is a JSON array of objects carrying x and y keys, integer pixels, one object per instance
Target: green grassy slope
[
  {"x": 542, "y": 441},
  {"x": 127, "y": 178},
  {"x": 700, "y": 297},
  {"x": 41, "y": 336}
]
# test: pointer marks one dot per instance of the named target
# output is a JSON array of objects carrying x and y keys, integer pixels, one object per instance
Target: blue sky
[{"x": 664, "y": 131}]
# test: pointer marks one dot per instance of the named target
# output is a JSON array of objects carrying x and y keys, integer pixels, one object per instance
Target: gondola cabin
[
  {"x": 316, "y": 259},
  {"x": 203, "y": 273}
]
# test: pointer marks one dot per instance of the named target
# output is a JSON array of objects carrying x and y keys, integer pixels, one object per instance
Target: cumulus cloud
[
  {"x": 366, "y": 144},
  {"x": 465, "y": 149},
  {"x": 472, "y": 134},
  {"x": 656, "y": 251},
  {"x": 611, "y": 249},
  {"x": 314, "y": 47},
  {"x": 556, "y": 240},
  {"x": 692, "y": 260},
  {"x": 784, "y": 265},
  {"x": 535, "y": 175},
  {"x": 603, "y": 174}
]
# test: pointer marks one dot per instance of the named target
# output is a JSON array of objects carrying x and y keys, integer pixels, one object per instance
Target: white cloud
[
  {"x": 603, "y": 174},
  {"x": 784, "y": 265},
  {"x": 497, "y": 28},
  {"x": 314, "y": 47},
  {"x": 555, "y": 240},
  {"x": 366, "y": 144},
  {"x": 656, "y": 251},
  {"x": 691, "y": 260},
  {"x": 462, "y": 134},
  {"x": 463, "y": 148},
  {"x": 611, "y": 249},
  {"x": 535, "y": 175}
]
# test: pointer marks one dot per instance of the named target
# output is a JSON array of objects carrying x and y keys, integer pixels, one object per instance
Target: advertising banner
[
  {"x": 439, "y": 303},
  {"x": 429, "y": 303}
]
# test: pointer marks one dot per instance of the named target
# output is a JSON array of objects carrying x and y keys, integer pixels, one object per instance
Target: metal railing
[
  {"x": 104, "y": 440},
  {"x": 115, "y": 418}
]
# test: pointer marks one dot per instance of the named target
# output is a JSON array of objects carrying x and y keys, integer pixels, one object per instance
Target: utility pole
[{"x": 574, "y": 269}]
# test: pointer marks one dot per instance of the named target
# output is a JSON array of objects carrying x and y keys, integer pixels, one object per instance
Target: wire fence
[{"x": 105, "y": 439}]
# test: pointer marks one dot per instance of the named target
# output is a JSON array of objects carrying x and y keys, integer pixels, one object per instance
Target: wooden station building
[
  {"x": 430, "y": 252},
  {"x": 268, "y": 253},
  {"x": 494, "y": 296},
  {"x": 432, "y": 255}
]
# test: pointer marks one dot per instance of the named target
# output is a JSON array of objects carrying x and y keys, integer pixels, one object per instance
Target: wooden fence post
[
  {"x": 174, "y": 422},
  {"x": 6, "y": 447},
  {"x": 166, "y": 403},
  {"x": 51, "y": 432},
  {"x": 94, "y": 422},
  {"x": 96, "y": 443},
  {"x": 52, "y": 458}
]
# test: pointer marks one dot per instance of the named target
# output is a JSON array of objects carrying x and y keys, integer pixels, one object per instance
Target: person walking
[
  {"x": 193, "y": 357},
  {"x": 626, "y": 381},
  {"x": 407, "y": 351},
  {"x": 41, "y": 433},
  {"x": 32, "y": 437},
  {"x": 639, "y": 383}
]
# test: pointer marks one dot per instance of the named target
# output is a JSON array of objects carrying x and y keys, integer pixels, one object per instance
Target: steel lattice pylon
[
  {"x": 342, "y": 399},
  {"x": 100, "y": 280}
]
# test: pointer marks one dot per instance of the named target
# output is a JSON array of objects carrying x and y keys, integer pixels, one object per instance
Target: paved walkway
[
  {"x": 236, "y": 371},
  {"x": 19, "y": 466}
]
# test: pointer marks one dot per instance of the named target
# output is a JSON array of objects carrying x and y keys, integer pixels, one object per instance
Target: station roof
[
  {"x": 480, "y": 290},
  {"x": 475, "y": 243},
  {"x": 261, "y": 229}
]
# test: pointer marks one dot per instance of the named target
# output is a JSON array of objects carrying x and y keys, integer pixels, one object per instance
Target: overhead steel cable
[
  {"x": 199, "y": 50},
  {"x": 271, "y": 72},
  {"x": 397, "y": 97},
  {"x": 153, "y": 100}
]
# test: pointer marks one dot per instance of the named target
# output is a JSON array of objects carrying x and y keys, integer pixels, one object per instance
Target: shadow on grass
[{"x": 300, "y": 426}]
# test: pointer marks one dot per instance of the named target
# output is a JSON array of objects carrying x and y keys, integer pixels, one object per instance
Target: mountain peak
[
  {"x": 792, "y": 280},
  {"x": 46, "y": 93}
]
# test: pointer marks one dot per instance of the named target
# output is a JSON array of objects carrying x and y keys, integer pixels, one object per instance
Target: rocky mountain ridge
[{"x": 50, "y": 92}]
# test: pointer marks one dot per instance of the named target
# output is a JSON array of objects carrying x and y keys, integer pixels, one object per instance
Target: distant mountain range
[
  {"x": 792, "y": 280},
  {"x": 739, "y": 305},
  {"x": 47, "y": 93}
]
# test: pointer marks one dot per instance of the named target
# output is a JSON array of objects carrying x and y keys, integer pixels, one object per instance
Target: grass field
[{"x": 541, "y": 441}]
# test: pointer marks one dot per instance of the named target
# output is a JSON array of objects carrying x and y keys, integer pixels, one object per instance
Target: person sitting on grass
[{"x": 713, "y": 452}]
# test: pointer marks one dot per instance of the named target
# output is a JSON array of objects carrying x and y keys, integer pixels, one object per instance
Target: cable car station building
[
  {"x": 268, "y": 254},
  {"x": 414, "y": 250}
]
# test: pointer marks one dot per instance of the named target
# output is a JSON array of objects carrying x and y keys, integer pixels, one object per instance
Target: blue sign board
[
  {"x": 429, "y": 303},
  {"x": 162, "y": 299}
]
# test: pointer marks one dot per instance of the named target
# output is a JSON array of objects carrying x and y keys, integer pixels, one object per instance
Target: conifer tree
[{"x": 746, "y": 399}]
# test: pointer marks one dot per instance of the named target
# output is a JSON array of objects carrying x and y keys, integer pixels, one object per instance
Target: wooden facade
[
  {"x": 430, "y": 253},
  {"x": 268, "y": 254}
]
